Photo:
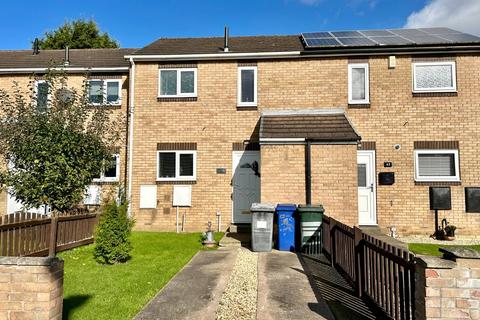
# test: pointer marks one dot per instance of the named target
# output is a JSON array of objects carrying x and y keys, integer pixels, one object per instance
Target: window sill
[
  {"x": 359, "y": 105},
  {"x": 434, "y": 94},
  {"x": 176, "y": 99},
  {"x": 106, "y": 106},
  {"x": 247, "y": 107},
  {"x": 176, "y": 182},
  {"x": 438, "y": 183},
  {"x": 105, "y": 182}
]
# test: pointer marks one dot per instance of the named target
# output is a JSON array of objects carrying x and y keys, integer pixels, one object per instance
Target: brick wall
[
  {"x": 448, "y": 289},
  {"x": 395, "y": 115},
  {"x": 31, "y": 288}
]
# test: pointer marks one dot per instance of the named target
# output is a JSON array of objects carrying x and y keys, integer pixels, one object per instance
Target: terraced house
[{"x": 363, "y": 122}]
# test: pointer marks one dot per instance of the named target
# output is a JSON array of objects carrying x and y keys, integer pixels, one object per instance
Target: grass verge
[
  {"x": 94, "y": 291},
  {"x": 432, "y": 249}
]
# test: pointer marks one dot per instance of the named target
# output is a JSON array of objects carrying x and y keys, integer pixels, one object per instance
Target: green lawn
[
  {"x": 94, "y": 291},
  {"x": 432, "y": 249}
]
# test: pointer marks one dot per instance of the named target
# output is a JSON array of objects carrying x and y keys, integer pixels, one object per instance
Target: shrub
[{"x": 112, "y": 244}]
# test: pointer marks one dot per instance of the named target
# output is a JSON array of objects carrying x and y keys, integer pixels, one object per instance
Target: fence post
[
  {"x": 332, "y": 241},
  {"x": 359, "y": 272},
  {"x": 52, "y": 248}
]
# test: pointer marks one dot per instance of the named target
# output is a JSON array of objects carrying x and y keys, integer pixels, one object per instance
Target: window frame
[
  {"x": 104, "y": 92},
  {"x": 103, "y": 178},
  {"x": 49, "y": 94},
  {"x": 240, "y": 103},
  {"x": 452, "y": 64},
  {"x": 364, "y": 66},
  {"x": 420, "y": 178},
  {"x": 179, "y": 93},
  {"x": 177, "y": 165}
]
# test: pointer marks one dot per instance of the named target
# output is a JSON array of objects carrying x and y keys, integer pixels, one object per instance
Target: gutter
[
  {"x": 131, "y": 112},
  {"x": 68, "y": 69},
  {"x": 215, "y": 56}
]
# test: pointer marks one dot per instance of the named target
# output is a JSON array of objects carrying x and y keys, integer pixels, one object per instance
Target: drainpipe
[
  {"x": 308, "y": 172},
  {"x": 131, "y": 112}
]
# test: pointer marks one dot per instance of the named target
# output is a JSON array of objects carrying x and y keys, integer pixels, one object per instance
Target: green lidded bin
[{"x": 310, "y": 228}]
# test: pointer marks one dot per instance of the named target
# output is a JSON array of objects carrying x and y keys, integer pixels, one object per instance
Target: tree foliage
[
  {"x": 77, "y": 34},
  {"x": 50, "y": 155},
  {"x": 112, "y": 244}
]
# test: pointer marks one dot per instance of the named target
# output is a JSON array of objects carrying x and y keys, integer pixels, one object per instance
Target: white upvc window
[
  {"x": 176, "y": 165},
  {"x": 104, "y": 92},
  {"x": 437, "y": 165},
  {"x": 434, "y": 76},
  {"x": 42, "y": 95},
  {"x": 358, "y": 83},
  {"x": 247, "y": 87},
  {"x": 110, "y": 171},
  {"x": 177, "y": 82}
]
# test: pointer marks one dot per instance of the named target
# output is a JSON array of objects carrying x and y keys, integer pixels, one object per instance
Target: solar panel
[
  {"x": 346, "y": 34},
  {"x": 378, "y": 33},
  {"x": 356, "y": 41},
  {"x": 325, "y": 42},
  {"x": 311, "y": 35},
  {"x": 389, "y": 37},
  {"x": 460, "y": 37},
  {"x": 394, "y": 40}
]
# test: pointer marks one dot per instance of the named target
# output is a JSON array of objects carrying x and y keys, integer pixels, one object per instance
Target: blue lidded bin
[{"x": 286, "y": 226}]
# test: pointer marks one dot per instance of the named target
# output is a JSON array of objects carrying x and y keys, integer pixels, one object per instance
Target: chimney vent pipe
[{"x": 225, "y": 40}]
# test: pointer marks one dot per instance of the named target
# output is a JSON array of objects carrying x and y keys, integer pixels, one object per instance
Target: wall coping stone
[
  {"x": 459, "y": 252},
  {"x": 30, "y": 261},
  {"x": 432, "y": 262}
]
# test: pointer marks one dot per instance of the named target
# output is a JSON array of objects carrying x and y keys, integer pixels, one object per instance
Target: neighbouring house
[
  {"x": 106, "y": 72},
  {"x": 317, "y": 116},
  {"x": 363, "y": 122}
]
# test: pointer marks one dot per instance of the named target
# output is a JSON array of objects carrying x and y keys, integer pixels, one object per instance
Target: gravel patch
[{"x": 239, "y": 301}]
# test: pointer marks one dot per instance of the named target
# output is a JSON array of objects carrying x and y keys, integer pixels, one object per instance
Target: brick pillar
[{"x": 31, "y": 288}]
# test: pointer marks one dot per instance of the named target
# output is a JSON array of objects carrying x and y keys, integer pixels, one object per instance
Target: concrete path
[
  {"x": 284, "y": 291},
  {"x": 194, "y": 293}
]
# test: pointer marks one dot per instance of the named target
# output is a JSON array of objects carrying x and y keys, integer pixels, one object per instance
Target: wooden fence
[
  {"x": 380, "y": 272},
  {"x": 29, "y": 234}
]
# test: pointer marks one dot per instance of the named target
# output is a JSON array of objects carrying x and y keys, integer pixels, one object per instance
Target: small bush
[{"x": 112, "y": 244}]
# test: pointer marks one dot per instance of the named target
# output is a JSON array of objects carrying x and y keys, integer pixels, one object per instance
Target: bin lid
[
  {"x": 311, "y": 208},
  {"x": 286, "y": 207},
  {"x": 262, "y": 207}
]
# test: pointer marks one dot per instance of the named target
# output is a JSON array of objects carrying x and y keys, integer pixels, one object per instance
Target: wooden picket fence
[
  {"x": 379, "y": 272},
  {"x": 30, "y": 234}
]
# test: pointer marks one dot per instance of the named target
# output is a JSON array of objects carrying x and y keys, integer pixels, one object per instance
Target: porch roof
[{"x": 318, "y": 125}]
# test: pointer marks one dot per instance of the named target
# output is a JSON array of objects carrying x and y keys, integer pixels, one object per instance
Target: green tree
[
  {"x": 53, "y": 153},
  {"x": 77, "y": 34}
]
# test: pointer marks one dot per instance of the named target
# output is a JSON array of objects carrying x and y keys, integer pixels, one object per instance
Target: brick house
[
  {"x": 103, "y": 69},
  {"x": 321, "y": 118},
  {"x": 292, "y": 119}
]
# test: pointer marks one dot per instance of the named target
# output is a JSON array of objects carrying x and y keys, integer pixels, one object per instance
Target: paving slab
[
  {"x": 284, "y": 290},
  {"x": 195, "y": 292}
]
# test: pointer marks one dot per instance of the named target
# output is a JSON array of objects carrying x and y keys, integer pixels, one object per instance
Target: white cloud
[
  {"x": 310, "y": 2},
  {"x": 462, "y": 15}
]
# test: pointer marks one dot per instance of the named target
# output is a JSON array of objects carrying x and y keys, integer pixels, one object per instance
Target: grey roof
[
  {"x": 79, "y": 58},
  {"x": 211, "y": 45},
  {"x": 327, "y": 125}
]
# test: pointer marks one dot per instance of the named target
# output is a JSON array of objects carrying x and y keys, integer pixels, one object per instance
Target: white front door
[
  {"x": 367, "y": 214},
  {"x": 245, "y": 183}
]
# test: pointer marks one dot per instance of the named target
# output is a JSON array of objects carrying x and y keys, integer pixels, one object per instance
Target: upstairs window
[
  {"x": 110, "y": 171},
  {"x": 42, "y": 95},
  {"x": 247, "y": 86},
  {"x": 178, "y": 82},
  {"x": 104, "y": 92},
  {"x": 436, "y": 165},
  {"x": 176, "y": 165},
  {"x": 434, "y": 77},
  {"x": 358, "y": 90}
]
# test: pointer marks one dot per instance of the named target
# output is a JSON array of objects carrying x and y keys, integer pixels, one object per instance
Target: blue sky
[{"x": 137, "y": 23}]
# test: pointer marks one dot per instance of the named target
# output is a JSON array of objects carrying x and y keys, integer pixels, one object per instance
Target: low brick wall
[
  {"x": 449, "y": 287},
  {"x": 31, "y": 288}
]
